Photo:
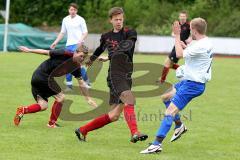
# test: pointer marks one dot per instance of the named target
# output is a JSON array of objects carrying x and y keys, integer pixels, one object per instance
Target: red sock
[
  {"x": 95, "y": 124},
  {"x": 175, "y": 66},
  {"x": 164, "y": 74},
  {"x": 56, "y": 110},
  {"x": 32, "y": 108},
  {"x": 130, "y": 118}
]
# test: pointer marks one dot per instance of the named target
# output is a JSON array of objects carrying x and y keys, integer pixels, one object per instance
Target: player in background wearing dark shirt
[
  {"x": 44, "y": 86},
  {"x": 120, "y": 43},
  {"x": 172, "y": 61}
]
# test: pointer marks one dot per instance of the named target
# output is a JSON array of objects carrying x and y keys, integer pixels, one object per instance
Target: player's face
[
  {"x": 182, "y": 18},
  {"x": 72, "y": 11},
  {"x": 117, "y": 22},
  {"x": 193, "y": 32},
  {"x": 79, "y": 57}
]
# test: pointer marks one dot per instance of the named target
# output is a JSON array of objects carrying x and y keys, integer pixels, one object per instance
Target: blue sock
[
  {"x": 177, "y": 117},
  {"x": 155, "y": 142},
  {"x": 69, "y": 80},
  {"x": 84, "y": 74},
  {"x": 164, "y": 128}
]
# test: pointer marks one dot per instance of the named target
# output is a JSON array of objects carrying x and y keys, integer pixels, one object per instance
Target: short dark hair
[
  {"x": 82, "y": 48},
  {"x": 74, "y": 5},
  {"x": 115, "y": 11},
  {"x": 183, "y": 12}
]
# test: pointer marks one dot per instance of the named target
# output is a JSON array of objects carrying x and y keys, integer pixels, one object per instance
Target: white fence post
[{"x": 6, "y": 26}]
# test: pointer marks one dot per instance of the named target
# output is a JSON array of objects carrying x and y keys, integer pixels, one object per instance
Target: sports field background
[{"x": 213, "y": 129}]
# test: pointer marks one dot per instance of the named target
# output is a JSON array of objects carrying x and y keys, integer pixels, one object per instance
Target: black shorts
[
  {"x": 117, "y": 85},
  {"x": 172, "y": 56},
  {"x": 43, "y": 89}
]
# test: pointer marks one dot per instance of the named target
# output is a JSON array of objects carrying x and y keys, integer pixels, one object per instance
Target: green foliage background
[{"x": 147, "y": 16}]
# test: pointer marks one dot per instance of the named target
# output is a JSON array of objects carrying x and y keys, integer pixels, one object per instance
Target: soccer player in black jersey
[
  {"x": 120, "y": 43},
  {"x": 172, "y": 61},
  {"x": 44, "y": 86}
]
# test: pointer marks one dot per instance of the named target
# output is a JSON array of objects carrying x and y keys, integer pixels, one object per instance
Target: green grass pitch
[{"x": 213, "y": 119}]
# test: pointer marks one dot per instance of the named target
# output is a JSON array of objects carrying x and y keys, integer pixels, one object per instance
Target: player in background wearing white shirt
[
  {"x": 76, "y": 29},
  {"x": 197, "y": 71}
]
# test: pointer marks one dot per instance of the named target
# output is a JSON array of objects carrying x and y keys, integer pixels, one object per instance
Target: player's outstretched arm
[
  {"x": 37, "y": 51},
  {"x": 85, "y": 93},
  {"x": 97, "y": 52}
]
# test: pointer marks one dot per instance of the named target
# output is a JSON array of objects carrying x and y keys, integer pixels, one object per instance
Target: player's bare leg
[
  {"x": 115, "y": 113},
  {"x": 129, "y": 114},
  {"x": 167, "y": 65},
  {"x": 39, "y": 106},
  {"x": 168, "y": 94},
  {"x": 56, "y": 110}
]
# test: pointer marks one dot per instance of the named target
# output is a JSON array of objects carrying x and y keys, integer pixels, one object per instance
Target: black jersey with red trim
[
  {"x": 120, "y": 47},
  {"x": 57, "y": 58},
  {"x": 185, "y": 31}
]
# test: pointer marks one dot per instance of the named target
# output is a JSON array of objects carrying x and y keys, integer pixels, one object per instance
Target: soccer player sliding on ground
[
  {"x": 120, "y": 43},
  {"x": 197, "y": 71},
  {"x": 44, "y": 86}
]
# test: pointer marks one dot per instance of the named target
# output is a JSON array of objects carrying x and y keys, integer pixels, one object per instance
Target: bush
[{"x": 148, "y": 16}]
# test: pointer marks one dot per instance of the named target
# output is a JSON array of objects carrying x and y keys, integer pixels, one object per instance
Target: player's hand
[
  {"x": 53, "y": 45},
  {"x": 80, "y": 43},
  {"x": 103, "y": 59},
  {"x": 189, "y": 40},
  {"x": 183, "y": 44},
  {"x": 24, "y": 49},
  {"x": 176, "y": 29},
  {"x": 89, "y": 63},
  {"x": 92, "y": 103}
]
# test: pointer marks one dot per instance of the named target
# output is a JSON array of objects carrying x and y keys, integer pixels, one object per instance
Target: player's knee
[
  {"x": 44, "y": 108},
  {"x": 164, "y": 97},
  {"x": 43, "y": 105},
  {"x": 61, "y": 98},
  {"x": 114, "y": 117},
  {"x": 167, "y": 63},
  {"x": 127, "y": 97},
  {"x": 124, "y": 94},
  {"x": 168, "y": 95}
]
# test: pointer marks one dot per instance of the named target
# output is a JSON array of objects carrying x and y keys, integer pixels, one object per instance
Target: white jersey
[
  {"x": 74, "y": 28},
  {"x": 198, "y": 60},
  {"x": 180, "y": 73}
]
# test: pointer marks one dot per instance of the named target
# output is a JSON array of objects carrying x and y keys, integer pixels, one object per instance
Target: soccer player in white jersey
[
  {"x": 197, "y": 72},
  {"x": 76, "y": 29}
]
